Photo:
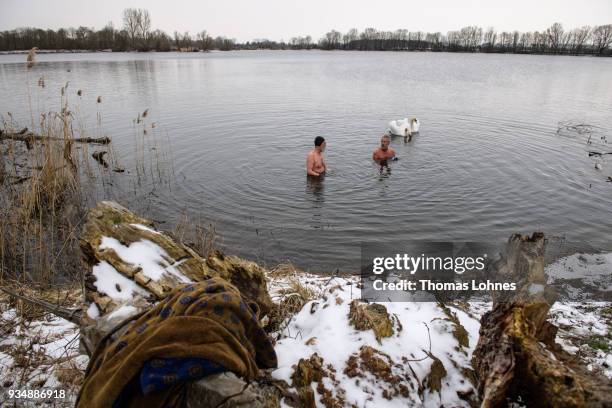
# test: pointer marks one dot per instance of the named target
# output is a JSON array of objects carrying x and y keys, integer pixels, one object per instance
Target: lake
[{"x": 489, "y": 159}]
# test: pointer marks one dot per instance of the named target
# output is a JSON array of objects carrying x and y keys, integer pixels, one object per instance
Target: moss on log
[{"x": 179, "y": 263}]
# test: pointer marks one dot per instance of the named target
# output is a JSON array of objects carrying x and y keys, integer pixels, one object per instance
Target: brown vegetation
[
  {"x": 371, "y": 317},
  {"x": 48, "y": 180}
]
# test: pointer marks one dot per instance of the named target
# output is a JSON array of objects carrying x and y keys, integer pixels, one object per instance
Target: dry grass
[
  {"x": 46, "y": 187},
  {"x": 195, "y": 233},
  {"x": 69, "y": 374},
  {"x": 296, "y": 288},
  {"x": 63, "y": 296},
  {"x": 38, "y": 346},
  {"x": 284, "y": 270},
  {"x": 31, "y": 58},
  {"x": 41, "y": 201},
  {"x": 292, "y": 299}
]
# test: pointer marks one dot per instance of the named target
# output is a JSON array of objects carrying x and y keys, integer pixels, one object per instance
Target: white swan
[{"x": 404, "y": 127}]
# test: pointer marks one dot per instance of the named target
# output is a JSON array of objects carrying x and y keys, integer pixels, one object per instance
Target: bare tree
[
  {"x": 137, "y": 24},
  {"x": 331, "y": 40},
  {"x": 555, "y": 36},
  {"x": 525, "y": 41},
  {"x": 131, "y": 23},
  {"x": 505, "y": 39},
  {"x": 205, "y": 40},
  {"x": 602, "y": 37},
  {"x": 435, "y": 40},
  {"x": 137, "y": 34},
  {"x": 490, "y": 37},
  {"x": 144, "y": 26},
  {"x": 579, "y": 37}
]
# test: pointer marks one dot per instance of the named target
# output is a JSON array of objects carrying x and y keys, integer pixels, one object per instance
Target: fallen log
[
  {"x": 591, "y": 153},
  {"x": 517, "y": 359},
  {"x": 29, "y": 137},
  {"x": 72, "y": 315},
  {"x": 112, "y": 239},
  {"x": 134, "y": 266}
]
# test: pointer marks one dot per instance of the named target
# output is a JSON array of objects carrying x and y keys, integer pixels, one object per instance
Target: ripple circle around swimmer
[{"x": 486, "y": 163}]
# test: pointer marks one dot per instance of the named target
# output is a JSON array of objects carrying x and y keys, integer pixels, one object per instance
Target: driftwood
[
  {"x": 109, "y": 219},
  {"x": 29, "y": 138},
  {"x": 516, "y": 358},
  {"x": 99, "y": 157}
]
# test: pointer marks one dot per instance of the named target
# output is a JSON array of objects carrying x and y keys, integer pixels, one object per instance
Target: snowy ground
[
  {"x": 40, "y": 354},
  {"x": 423, "y": 363},
  {"x": 422, "y": 329},
  {"x": 322, "y": 327}
]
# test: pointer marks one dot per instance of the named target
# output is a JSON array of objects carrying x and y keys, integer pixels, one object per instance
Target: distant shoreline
[{"x": 109, "y": 51}]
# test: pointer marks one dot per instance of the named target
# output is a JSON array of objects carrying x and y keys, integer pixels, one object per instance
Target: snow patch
[
  {"x": 123, "y": 312},
  {"x": 322, "y": 327},
  {"x": 92, "y": 311},
  {"x": 149, "y": 256},
  {"x": 114, "y": 284},
  {"x": 144, "y": 228}
]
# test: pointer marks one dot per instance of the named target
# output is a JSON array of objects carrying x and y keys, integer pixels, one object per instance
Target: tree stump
[{"x": 516, "y": 358}]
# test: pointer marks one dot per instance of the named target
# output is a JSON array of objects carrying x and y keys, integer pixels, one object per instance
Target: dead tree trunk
[
  {"x": 516, "y": 358},
  {"x": 110, "y": 220},
  {"x": 30, "y": 137},
  {"x": 72, "y": 315}
]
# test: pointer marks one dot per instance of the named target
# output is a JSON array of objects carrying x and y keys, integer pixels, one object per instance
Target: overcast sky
[{"x": 283, "y": 19}]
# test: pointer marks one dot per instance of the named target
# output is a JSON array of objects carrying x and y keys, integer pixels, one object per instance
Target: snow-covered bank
[
  {"x": 424, "y": 335},
  {"x": 333, "y": 349},
  {"x": 43, "y": 353},
  {"x": 40, "y": 353}
]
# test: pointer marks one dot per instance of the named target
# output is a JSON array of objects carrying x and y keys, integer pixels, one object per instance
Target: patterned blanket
[{"x": 199, "y": 329}]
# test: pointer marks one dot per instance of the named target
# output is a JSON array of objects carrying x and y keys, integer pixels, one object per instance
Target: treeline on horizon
[{"x": 137, "y": 34}]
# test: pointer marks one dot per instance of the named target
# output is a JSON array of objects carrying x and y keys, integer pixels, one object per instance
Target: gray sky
[{"x": 283, "y": 19}]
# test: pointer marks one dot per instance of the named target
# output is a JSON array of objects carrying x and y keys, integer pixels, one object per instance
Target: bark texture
[
  {"x": 110, "y": 220},
  {"x": 517, "y": 359}
]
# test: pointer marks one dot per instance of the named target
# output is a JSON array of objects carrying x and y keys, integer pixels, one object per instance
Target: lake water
[{"x": 488, "y": 160}]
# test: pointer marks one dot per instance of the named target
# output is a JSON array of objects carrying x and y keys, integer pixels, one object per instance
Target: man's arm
[
  {"x": 310, "y": 165},
  {"x": 392, "y": 152}
]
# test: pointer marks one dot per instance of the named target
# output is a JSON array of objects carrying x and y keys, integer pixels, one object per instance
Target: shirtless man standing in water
[
  {"x": 315, "y": 164},
  {"x": 384, "y": 152}
]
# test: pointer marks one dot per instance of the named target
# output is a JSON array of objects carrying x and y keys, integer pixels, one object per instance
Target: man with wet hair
[
  {"x": 315, "y": 163},
  {"x": 384, "y": 152}
]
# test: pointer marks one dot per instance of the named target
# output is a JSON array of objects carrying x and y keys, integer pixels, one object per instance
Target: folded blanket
[{"x": 205, "y": 321}]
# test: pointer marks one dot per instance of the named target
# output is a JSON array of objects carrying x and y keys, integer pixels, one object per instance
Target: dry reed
[
  {"x": 47, "y": 185},
  {"x": 31, "y": 58},
  {"x": 195, "y": 233}
]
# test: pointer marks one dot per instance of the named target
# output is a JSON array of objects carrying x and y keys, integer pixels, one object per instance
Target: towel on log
[{"x": 205, "y": 320}]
